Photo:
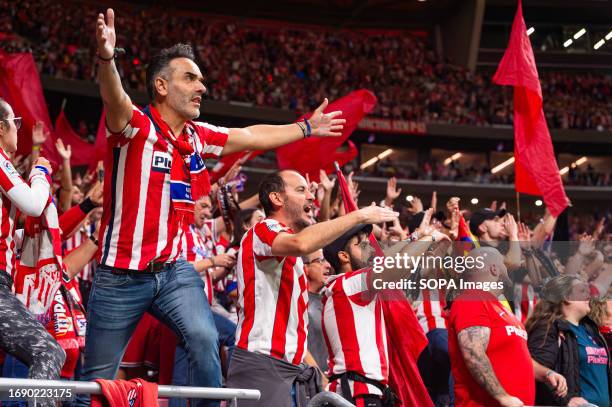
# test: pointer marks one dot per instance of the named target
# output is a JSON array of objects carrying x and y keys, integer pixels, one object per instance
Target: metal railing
[
  {"x": 330, "y": 399},
  {"x": 7, "y": 384}
]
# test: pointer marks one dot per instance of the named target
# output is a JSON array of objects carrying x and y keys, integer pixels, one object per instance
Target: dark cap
[
  {"x": 415, "y": 221},
  {"x": 330, "y": 252},
  {"x": 482, "y": 215}
]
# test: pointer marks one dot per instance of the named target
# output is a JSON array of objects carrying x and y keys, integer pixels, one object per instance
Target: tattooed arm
[{"x": 473, "y": 342}]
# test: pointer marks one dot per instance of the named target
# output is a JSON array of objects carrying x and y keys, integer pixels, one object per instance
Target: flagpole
[
  {"x": 63, "y": 104},
  {"x": 518, "y": 206}
]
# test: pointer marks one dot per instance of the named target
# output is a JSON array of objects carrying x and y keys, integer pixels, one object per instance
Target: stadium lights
[
  {"x": 380, "y": 156},
  {"x": 575, "y": 164},
  {"x": 609, "y": 36},
  {"x": 581, "y": 161},
  {"x": 580, "y": 33},
  {"x": 568, "y": 43},
  {"x": 599, "y": 44},
  {"x": 474, "y": 201},
  {"x": 538, "y": 202},
  {"x": 452, "y": 158},
  {"x": 503, "y": 165},
  {"x": 530, "y": 30},
  {"x": 409, "y": 198}
]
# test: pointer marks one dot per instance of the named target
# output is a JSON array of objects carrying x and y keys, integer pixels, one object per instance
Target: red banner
[
  {"x": 20, "y": 87},
  {"x": 392, "y": 126},
  {"x": 536, "y": 170},
  {"x": 83, "y": 153},
  {"x": 308, "y": 156}
]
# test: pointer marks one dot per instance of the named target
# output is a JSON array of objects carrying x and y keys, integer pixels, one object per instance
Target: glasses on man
[
  {"x": 319, "y": 260},
  {"x": 17, "y": 121}
]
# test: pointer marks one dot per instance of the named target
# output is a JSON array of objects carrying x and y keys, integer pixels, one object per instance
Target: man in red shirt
[
  {"x": 154, "y": 173},
  {"x": 487, "y": 344}
]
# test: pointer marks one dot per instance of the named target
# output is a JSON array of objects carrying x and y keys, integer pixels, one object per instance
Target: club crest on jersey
[
  {"x": 9, "y": 169},
  {"x": 274, "y": 227},
  {"x": 132, "y": 396},
  {"x": 162, "y": 162}
]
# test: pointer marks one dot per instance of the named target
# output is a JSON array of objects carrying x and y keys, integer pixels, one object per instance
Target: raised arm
[
  {"x": 321, "y": 234},
  {"x": 473, "y": 342},
  {"x": 117, "y": 103},
  {"x": 267, "y": 137},
  {"x": 65, "y": 198},
  {"x": 31, "y": 200}
]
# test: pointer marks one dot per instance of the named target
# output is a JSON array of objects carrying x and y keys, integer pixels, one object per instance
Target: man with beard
[
  {"x": 154, "y": 173},
  {"x": 272, "y": 288},
  {"x": 354, "y": 324}
]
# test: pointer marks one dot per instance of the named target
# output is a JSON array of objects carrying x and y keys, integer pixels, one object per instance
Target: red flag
[
  {"x": 536, "y": 170},
  {"x": 225, "y": 163},
  {"x": 82, "y": 152},
  {"x": 405, "y": 337},
  {"x": 308, "y": 156},
  {"x": 20, "y": 87}
]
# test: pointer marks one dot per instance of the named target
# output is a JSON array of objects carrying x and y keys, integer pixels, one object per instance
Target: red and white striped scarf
[{"x": 38, "y": 274}]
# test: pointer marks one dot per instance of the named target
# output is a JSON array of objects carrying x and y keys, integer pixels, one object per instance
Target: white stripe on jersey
[
  {"x": 116, "y": 228},
  {"x": 147, "y": 159}
]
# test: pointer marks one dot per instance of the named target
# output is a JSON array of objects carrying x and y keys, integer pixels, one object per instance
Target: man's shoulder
[
  {"x": 204, "y": 128},
  {"x": 272, "y": 225}
]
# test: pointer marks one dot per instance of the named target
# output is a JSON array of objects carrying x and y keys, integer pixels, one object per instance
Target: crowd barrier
[{"x": 232, "y": 395}]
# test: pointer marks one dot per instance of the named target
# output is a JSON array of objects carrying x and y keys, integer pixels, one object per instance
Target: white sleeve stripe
[
  {"x": 211, "y": 149},
  {"x": 212, "y": 127}
]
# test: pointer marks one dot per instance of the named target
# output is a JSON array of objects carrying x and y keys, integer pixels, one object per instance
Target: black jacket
[{"x": 557, "y": 349}]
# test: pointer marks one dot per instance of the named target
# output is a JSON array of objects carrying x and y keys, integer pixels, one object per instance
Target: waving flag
[{"x": 536, "y": 170}]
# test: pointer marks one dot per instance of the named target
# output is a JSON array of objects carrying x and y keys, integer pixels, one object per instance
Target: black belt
[
  {"x": 152, "y": 268},
  {"x": 389, "y": 398}
]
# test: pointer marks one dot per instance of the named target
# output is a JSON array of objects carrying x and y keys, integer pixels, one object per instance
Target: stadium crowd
[
  {"x": 270, "y": 65},
  {"x": 480, "y": 174},
  {"x": 278, "y": 291}
]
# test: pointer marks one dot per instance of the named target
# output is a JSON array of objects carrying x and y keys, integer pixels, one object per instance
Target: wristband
[
  {"x": 212, "y": 259},
  {"x": 93, "y": 239},
  {"x": 549, "y": 372},
  {"x": 301, "y": 126},
  {"x": 116, "y": 52},
  {"x": 87, "y": 205},
  {"x": 308, "y": 128},
  {"x": 43, "y": 169}
]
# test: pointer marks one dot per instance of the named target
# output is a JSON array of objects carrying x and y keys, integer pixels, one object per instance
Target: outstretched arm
[
  {"x": 117, "y": 103},
  {"x": 321, "y": 234},
  {"x": 267, "y": 137}
]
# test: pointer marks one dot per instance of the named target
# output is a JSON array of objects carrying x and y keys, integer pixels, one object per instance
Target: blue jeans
[
  {"x": 175, "y": 297},
  {"x": 434, "y": 365},
  {"x": 15, "y": 369},
  {"x": 227, "y": 337}
]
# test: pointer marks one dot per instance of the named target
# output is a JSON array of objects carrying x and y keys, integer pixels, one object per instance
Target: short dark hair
[
  {"x": 3, "y": 109},
  {"x": 161, "y": 60},
  {"x": 272, "y": 183}
]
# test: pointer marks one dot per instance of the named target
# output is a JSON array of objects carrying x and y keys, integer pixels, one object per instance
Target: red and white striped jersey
[
  {"x": 74, "y": 241},
  {"x": 430, "y": 311},
  {"x": 525, "y": 300},
  {"x": 196, "y": 247},
  {"x": 272, "y": 296},
  {"x": 138, "y": 224},
  {"x": 354, "y": 331},
  {"x": 9, "y": 178}
]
